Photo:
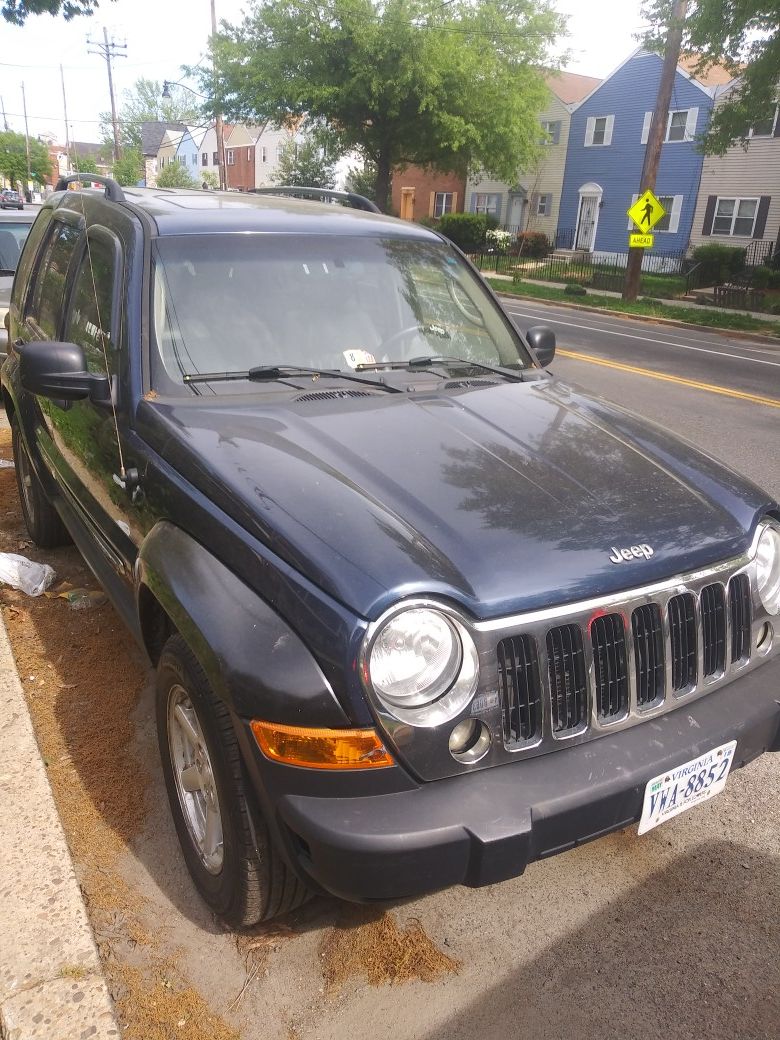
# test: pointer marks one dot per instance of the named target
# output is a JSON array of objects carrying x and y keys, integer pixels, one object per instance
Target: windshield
[
  {"x": 12, "y": 238},
  {"x": 233, "y": 302}
]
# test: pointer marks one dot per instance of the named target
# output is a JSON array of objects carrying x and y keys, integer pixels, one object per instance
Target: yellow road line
[{"x": 770, "y": 402}]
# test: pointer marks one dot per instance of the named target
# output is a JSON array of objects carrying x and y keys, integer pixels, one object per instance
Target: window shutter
[
  {"x": 590, "y": 126},
  {"x": 432, "y": 204},
  {"x": 609, "y": 129},
  {"x": 555, "y": 132},
  {"x": 674, "y": 218},
  {"x": 763, "y": 210},
  {"x": 709, "y": 214},
  {"x": 634, "y": 197},
  {"x": 646, "y": 130},
  {"x": 454, "y": 202},
  {"x": 690, "y": 123}
]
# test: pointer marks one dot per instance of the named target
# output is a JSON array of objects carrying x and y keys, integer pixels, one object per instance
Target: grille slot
[
  {"x": 521, "y": 695},
  {"x": 682, "y": 630},
  {"x": 739, "y": 608},
  {"x": 334, "y": 395},
  {"x": 648, "y": 654},
  {"x": 467, "y": 384},
  {"x": 713, "y": 627},
  {"x": 608, "y": 636},
  {"x": 568, "y": 682}
]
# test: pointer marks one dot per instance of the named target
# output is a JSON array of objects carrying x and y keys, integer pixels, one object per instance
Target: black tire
[
  {"x": 253, "y": 883},
  {"x": 41, "y": 519}
]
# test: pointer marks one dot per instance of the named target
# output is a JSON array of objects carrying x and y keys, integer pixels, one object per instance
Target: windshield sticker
[{"x": 358, "y": 357}]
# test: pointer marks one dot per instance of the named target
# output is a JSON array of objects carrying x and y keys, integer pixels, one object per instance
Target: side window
[
  {"x": 91, "y": 315},
  {"x": 44, "y": 304}
]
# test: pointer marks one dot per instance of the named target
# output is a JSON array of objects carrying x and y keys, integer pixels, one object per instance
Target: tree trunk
[{"x": 382, "y": 182}]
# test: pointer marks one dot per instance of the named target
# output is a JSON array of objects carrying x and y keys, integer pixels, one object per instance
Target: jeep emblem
[{"x": 636, "y": 552}]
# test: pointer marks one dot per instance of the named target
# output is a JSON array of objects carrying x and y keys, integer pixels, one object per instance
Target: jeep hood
[{"x": 504, "y": 498}]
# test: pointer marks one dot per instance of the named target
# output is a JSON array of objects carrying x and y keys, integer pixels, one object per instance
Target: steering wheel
[{"x": 398, "y": 337}]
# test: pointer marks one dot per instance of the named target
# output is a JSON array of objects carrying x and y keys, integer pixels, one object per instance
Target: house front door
[
  {"x": 515, "y": 216},
  {"x": 586, "y": 224},
  {"x": 407, "y": 203}
]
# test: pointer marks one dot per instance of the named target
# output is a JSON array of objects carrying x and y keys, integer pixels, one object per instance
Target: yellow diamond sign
[{"x": 646, "y": 212}]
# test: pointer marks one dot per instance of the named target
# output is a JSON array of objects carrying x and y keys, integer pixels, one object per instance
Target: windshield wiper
[
  {"x": 270, "y": 373},
  {"x": 443, "y": 359}
]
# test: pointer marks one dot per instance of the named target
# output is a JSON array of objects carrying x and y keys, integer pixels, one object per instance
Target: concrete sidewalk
[{"x": 51, "y": 979}]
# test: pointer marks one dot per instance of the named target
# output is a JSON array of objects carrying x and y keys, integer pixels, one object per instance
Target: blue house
[
  {"x": 188, "y": 149},
  {"x": 609, "y": 131}
]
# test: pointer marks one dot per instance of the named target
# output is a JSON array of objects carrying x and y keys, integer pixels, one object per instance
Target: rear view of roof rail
[
  {"x": 323, "y": 194},
  {"x": 113, "y": 190}
]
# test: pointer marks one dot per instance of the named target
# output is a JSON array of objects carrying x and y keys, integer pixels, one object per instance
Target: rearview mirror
[
  {"x": 59, "y": 370},
  {"x": 542, "y": 340}
]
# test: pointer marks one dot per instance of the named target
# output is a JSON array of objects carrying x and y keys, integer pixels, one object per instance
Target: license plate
[{"x": 687, "y": 785}]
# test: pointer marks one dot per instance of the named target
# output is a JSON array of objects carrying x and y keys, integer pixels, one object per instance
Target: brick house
[{"x": 422, "y": 192}]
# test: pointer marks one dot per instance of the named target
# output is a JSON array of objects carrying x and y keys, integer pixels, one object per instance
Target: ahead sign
[{"x": 646, "y": 212}]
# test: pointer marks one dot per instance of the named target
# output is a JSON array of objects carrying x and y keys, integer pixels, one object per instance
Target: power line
[{"x": 108, "y": 50}]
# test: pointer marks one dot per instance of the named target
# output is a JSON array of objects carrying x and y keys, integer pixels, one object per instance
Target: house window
[
  {"x": 231, "y": 157},
  {"x": 216, "y": 158},
  {"x": 552, "y": 131},
  {"x": 598, "y": 131},
  {"x": 543, "y": 205},
  {"x": 204, "y": 158},
  {"x": 279, "y": 150},
  {"x": 766, "y": 127},
  {"x": 263, "y": 153},
  {"x": 678, "y": 121},
  {"x": 249, "y": 155},
  {"x": 443, "y": 203},
  {"x": 194, "y": 159},
  {"x": 735, "y": 217},
  {"x": 486, "y": 204},
  {"x": 667, "y": 201}
]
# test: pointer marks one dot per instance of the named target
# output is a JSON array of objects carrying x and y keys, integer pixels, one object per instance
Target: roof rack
[
  {"x": 354, "y": 200},
  {"x": 113, "y": 191}
]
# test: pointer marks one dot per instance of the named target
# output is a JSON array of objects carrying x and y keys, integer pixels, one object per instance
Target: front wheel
[
  {"x": 223, "y": 836},
  {"x": 41, "y": 519}
]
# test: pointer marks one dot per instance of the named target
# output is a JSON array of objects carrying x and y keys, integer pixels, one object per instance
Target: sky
[{"x": 160, "y": 40}]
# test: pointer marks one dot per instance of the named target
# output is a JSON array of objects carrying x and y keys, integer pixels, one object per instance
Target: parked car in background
[
  {"x": 10, "y": 199},
  {"x": 421, "y": 612},
  {"x": 13, "y": 231}
]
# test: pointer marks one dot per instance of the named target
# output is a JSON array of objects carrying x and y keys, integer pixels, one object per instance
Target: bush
[
  {"x": 574, "y": 289},
  {"x": 429, "y": 222},
  {"x": 467, "y": 230},
  {"x": 720, "y": 263},
  {"x": 765, "y": 278},
  {"x": 533, "y": 244}
]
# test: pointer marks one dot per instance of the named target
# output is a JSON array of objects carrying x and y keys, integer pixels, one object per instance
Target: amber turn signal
[{"x": 321, "y": 748}]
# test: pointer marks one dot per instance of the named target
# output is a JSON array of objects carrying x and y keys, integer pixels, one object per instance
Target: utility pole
[
  {"x": 108, "y": 50},
  {"x": 26, "y": 141},
  {"x": 657, "y": 134},
  {"x": 65, "y": 110},
  {"x": 218, "y": 115},
  {"x": 5, "y": 119}
]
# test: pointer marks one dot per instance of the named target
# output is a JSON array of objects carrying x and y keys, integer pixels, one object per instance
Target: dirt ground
[{"x": 675, "y": 934}]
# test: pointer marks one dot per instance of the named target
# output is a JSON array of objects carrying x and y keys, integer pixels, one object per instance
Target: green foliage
[
  {"x": 362, "y": 180},
  {"x": 143, "y": 103},
  {"x": 17, "y": 11},
  {"x": 573, "y": 289},
  {"x": 765, "y": 278},
  {"x": 453, "y": 86},
  {"x": 175, "y": 175},
  {"x": 128, "y": 169},
  {"x": 306, "y": 164},
  {"x": 209, "y": 178},
  {"x": 429, "y": 222},
  {"x": 13, "y": 158},
  {"x": 743, "y": 35},
  {"x": 720, "y": 263},
  {"x": 466, "y": 230},
  {"x": 533, "y": 244},
  {"x": 83, "y": 163}
]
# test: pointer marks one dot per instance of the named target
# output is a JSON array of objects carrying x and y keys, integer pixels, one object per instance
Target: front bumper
[{"x": 486, "y": 827}]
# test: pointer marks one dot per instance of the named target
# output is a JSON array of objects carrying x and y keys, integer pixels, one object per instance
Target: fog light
[
  {"x": 764, "y": 638},
  {"x": 469, "y": 741}
]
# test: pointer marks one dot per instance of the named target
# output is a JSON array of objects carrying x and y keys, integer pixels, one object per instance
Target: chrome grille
[
  {"x": 647, "y": 631},
  {"x": 739, "y": 616},
  {"x": 609, "y": 668},
  {"x": 608, "y": 636}
]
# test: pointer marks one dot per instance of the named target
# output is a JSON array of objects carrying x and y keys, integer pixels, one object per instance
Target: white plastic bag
[{"x": 23, "y": 574}]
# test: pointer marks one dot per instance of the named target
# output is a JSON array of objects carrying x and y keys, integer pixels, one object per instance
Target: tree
[
  {"x": 16, "y": 11},
  {"x": 210, "y": 179},
  {"x": 143, "y": 103},
  {"x": 453, "y": 85},
  {"x": 83, "y": 163},
  {"x": 175, "y": 175},
  {"x": 306, "y": 163},
  {"x": 743, "y": 35},
  {"x": 13, "y": 158},
  {"x": 362, "y": 180},
  {"x": 128, "y": 169}
]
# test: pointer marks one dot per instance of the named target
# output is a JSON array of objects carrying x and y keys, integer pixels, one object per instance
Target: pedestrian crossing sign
[
  {"x": 641, "y": 241},
  {"x": 646, "y": 212}
]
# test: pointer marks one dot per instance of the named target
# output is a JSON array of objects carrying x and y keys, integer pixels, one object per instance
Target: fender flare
[{"x": 254, "y": 661}]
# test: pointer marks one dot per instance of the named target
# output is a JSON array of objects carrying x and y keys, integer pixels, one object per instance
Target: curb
[
  {"x": 51, "y": 980},
  {"x": 758, "y": 337}
]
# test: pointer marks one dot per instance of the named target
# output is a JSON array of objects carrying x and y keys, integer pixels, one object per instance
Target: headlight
[
  {"x": 422, "y": 665},
  {"x": 768, "y": 568}
]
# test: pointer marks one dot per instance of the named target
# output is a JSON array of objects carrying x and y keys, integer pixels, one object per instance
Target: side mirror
[
  {"x": 59, "y": 370},
  {"x": 542, "y": 341}
]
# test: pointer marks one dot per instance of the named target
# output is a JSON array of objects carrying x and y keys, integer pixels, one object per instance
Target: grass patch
[{"x": 645, "y": 308}]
